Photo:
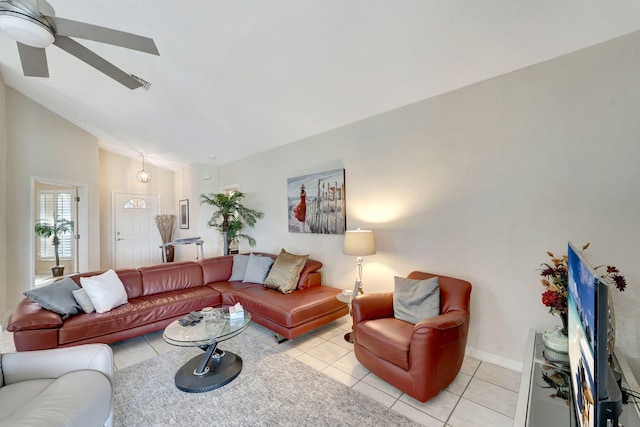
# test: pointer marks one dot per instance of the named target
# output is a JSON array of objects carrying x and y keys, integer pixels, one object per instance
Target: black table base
[{"x": 208, "y": 372}]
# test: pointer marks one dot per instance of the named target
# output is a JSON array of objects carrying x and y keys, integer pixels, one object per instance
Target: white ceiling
[{"x": 237, "y": 77}]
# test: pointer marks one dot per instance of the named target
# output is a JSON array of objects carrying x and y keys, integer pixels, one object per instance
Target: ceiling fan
[{"x": 33, "y": 24}]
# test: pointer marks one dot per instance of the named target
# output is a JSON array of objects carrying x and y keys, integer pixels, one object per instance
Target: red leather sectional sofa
[{"x": 159, "y": 294}]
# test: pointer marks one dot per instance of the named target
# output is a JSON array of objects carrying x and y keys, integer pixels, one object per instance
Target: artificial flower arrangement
[{"x": 555, "y": 281}]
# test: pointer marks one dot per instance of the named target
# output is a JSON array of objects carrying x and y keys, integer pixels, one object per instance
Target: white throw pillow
[{"x": 105, "y": 291}]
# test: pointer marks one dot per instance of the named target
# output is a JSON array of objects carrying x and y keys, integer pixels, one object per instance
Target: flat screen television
[{"x": 597, "y": 400}]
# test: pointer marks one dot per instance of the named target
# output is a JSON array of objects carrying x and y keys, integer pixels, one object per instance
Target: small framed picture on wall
[{"x": 183, "y": 208}]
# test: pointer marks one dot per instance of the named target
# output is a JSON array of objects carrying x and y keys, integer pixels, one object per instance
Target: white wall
[
  {"x": 479, "y": 183},
  {"x": 3, "y": 205},
  {"x": 42, "y": 144}
]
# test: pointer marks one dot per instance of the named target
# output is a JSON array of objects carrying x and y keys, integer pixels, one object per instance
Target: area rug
[{"x": 272, "y": 390}]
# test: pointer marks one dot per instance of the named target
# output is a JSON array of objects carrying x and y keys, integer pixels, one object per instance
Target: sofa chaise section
[{"x": 310, "y": 306}]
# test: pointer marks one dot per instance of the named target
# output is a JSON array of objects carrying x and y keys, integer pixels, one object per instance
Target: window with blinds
[{"x": 50, "y": 203}]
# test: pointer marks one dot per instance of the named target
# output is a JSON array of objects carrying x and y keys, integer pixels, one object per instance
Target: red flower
[
  {"x": 619, "y": 281},
  {"x": 555, "y": 300},
  {"x": 556, "y": 281}
]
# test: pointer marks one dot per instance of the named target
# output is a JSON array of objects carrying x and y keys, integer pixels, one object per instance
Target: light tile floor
[{"x": 482, "y": 394}]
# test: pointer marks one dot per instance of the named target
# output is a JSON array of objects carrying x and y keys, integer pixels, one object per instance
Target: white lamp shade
[{"x": 359, "y": 242}]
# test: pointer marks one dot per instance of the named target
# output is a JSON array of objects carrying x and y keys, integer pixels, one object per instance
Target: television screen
[
  {"x": 582, "y": 326},
  {"x": 596, "y": 396}
]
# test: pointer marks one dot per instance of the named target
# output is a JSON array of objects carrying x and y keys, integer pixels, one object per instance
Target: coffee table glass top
[{"x": 206, "y": 332}]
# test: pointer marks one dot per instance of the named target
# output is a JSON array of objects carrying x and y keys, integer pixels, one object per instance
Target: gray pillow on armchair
[{"x": 416, "y": 300}]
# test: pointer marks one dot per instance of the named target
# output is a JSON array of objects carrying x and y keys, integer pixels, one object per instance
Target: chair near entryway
[{"x": 420, "y": 359}]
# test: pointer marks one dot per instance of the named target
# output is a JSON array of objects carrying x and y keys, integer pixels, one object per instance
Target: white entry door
[{"x": 136, "y": 237}]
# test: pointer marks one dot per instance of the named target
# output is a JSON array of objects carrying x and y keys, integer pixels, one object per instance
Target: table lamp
[{"x": 359, "y": 243}]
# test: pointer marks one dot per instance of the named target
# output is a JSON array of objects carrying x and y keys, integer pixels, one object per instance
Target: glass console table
[
  {"x": 185, "y": 241},
  {"x": 544, "y": 397}
]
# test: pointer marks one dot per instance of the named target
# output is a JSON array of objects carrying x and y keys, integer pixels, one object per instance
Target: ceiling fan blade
[
  {"x": 96, "y": 61},
  {"x": 67, "y": 27},
  {"x": 34, "y": 61}
]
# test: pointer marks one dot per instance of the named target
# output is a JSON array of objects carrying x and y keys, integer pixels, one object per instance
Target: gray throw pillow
[
  {"x": 83, "y": 300},
  {"x": 257, "y": 269},
  {"x": 239, "y": 267},
  {"x": 57, "y": 297},
  {"x": 416, "y": 300}
]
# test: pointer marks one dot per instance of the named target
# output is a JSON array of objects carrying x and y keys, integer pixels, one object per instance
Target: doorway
[
  {"x": 66, "y": 200},
  {"x": 136, "y": 239}
]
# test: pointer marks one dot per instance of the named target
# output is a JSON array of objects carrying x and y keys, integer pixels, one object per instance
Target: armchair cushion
[
  {"x": 416, "y": 300},
  {"x": 388, "y": 339}
]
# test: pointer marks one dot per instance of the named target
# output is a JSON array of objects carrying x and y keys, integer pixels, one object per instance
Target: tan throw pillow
[{"x": 285, "y": 272}]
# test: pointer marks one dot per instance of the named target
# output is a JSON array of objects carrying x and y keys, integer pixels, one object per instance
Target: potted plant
[
  {"x": 231, "y": 217},
  {"x": 166, "y": 224},
  {"x": 54, "y": 229}
]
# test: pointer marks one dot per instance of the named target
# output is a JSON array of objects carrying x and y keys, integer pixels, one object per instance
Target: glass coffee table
[{"x": 216, "y": 367}]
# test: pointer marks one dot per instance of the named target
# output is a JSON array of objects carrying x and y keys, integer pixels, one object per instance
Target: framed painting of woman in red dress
[{"x": 316, "y": 203}]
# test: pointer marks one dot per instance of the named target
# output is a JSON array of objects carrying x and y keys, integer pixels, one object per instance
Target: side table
[{"x": 346, "y": 297}]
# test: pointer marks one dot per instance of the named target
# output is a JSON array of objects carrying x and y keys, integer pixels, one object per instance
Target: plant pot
[
  {"x": 169, "y": 253},
  {"x": 57, "y": 271}
]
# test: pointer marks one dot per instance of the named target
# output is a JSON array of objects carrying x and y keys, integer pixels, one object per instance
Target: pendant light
[{"x": 143, "y": 176}]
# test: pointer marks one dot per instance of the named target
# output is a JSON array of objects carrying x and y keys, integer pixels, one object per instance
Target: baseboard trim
[{"x": 496, "y": 360}]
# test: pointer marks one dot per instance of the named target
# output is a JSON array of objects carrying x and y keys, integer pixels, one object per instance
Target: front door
[{"x": 136, "y": 237}]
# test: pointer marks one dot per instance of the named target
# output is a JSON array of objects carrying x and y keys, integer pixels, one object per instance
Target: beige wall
[
  {"x": 479, "y": 183},
  {"x": 118, "y": 175},
  {"x": 3, "y": 205},
  {"x": 42, "y": 144},
  {"x": 192, "y": 181}
]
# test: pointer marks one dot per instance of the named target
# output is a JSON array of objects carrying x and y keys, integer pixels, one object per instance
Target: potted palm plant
[
  {"x": 231, "y": 217},
  {"x": 55, "y": 229}
]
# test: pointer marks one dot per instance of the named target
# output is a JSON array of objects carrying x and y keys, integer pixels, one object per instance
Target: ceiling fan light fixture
[{"x": 26, "y": 30}]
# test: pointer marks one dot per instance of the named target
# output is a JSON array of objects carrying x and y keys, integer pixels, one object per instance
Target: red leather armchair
[{"x": 419, "y": 359}]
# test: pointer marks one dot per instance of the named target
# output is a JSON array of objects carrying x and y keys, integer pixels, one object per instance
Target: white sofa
[{"x": 59, "y": 387}]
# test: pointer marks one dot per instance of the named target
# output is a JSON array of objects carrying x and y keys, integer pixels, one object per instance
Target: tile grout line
[{"x": 475, "y": 371}]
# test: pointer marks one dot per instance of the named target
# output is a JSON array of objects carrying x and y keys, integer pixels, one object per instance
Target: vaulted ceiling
[{"x": 237, "y": 77}]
